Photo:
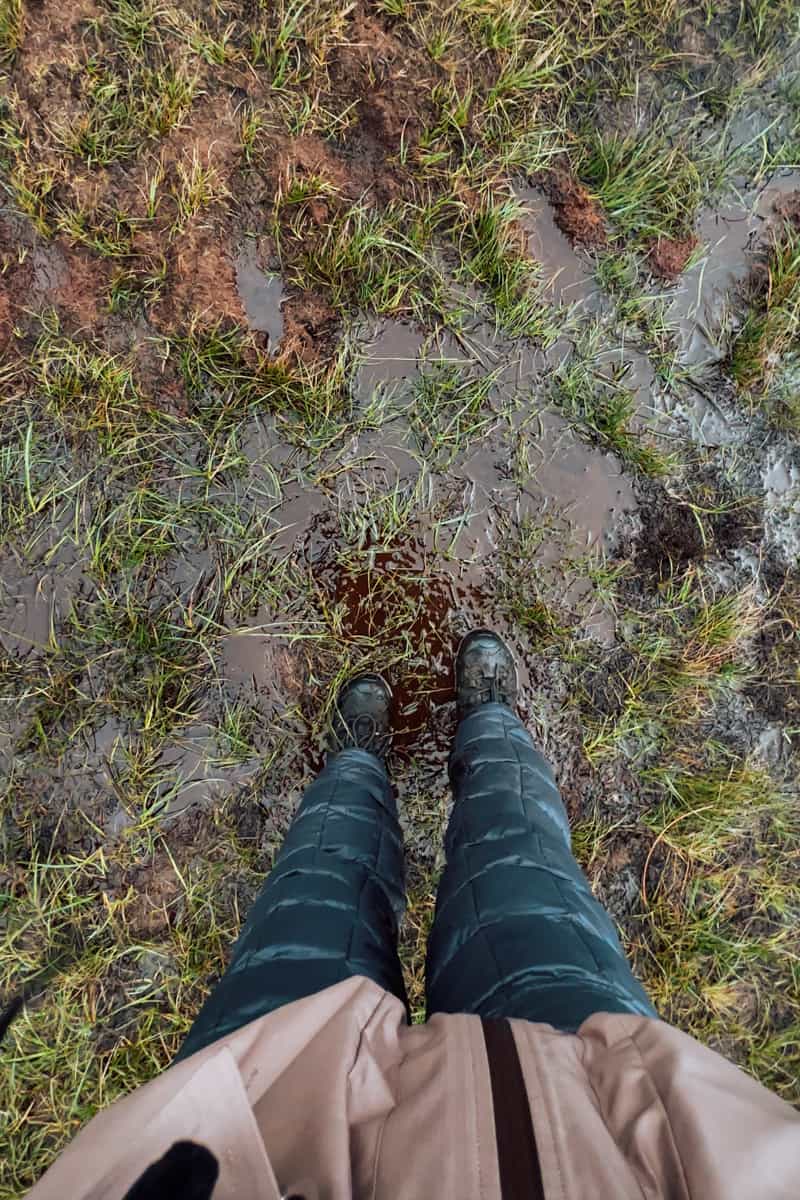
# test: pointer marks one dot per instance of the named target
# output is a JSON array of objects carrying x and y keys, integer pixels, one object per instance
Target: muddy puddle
[
  {"x": 391, "y": 353},
  {"x": 728, "y": 237},
  {"x": 400, "y": 553},
  {"x": 707, "y": 304},
  {"x": 780, "y": 478},
  {"x": 196, "y": 772},
  {"x": 261, "y": 293},
  {"x": 567, "y": 274},
  {"x": 399, "y": 528},
  {"x": 35, "y": 600},
  {"x": 556, "y": 474}
]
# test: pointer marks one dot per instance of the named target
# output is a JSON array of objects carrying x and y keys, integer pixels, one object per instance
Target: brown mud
[
  {"x": 568, "y": 277},
  {"x": 575, "y": 211},
  {"x": 668, "y": 257}
]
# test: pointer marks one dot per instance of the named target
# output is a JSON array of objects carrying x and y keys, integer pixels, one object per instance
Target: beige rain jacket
[{"x": 336, "y": 1096}]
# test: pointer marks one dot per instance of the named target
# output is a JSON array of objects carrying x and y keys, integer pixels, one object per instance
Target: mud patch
[
  {"x": 668, "y": 257},
  {"x": 202, "y": 282},
  {"x": 577, "y": 213},
  {"x": 39, "y": 275},
  {"x": 260, "y": 293},
  {"x": 255, "y": 658},
  {"x": 730, "y": 234},
  {"x": 397, "y": 598},
  {"x": 567, "y": 277},
  {"x": 671, "y": 536},
  {"x": 576, "y": 486},
  {"x": 309, "y": 327},
  {"x": 386, "y": 78},
  {"x": 781, "y": 482}
]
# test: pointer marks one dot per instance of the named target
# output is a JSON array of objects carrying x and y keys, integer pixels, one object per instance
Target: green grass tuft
[{"x": 765, "y": 348}]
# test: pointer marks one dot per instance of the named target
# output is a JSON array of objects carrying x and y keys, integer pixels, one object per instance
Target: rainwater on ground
[
  {"x": 385, "y": 520},
  {"x": 707, "y": 305},
  {"x": 261, "y": 293},
  {"x": 567, "y": 274}
]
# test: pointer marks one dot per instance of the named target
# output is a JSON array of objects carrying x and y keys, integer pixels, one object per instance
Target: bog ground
[{"x": 328, "y": 331}]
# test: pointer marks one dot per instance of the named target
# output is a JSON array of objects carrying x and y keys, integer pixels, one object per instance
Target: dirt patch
[
  {"x": 309, "y": 328},
  {"x": 78, "y": 286},
  {"x": 390, "y": 81},
  {"x": 310, "y": 158},
  {"x": 211, "y": 138},
  {"x": 668, "y": 257},
  {"x": 576, "y": 212},
  {"x": 202, "y": 281},
  {"x": 156, "y": 889},
  {"x": 788, "y": 207},
  {"x": 53, "y": 32},
  {"x": 15, "y": 278},
  {"x": 671, "y": 537},
  {"x": 738, "y": 526},
  {"x": 37, "y": 275}
]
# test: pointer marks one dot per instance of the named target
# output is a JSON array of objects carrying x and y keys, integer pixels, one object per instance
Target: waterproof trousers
[{"x": 517, "y": 931}]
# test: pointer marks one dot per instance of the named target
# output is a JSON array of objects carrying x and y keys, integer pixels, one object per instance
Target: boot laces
[
  {"x": 364, "y": 731},
  {"x": 490, "y": 690}
]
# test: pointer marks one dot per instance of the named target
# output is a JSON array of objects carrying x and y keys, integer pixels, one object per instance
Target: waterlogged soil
[
  {"x": 382, "y": 535},
  {"x": 527, "y": 465}
]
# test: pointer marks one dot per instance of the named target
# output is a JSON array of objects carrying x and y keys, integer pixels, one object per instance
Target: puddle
[
  {"x": 568, "y": 277},
  {"x": 584, "y": 484},
  {"x": 399, "y": 597},
  {"x": 50, "y": 269},
  {"x": 300, "y": 507},
  {"x": 260, "y": 293},
  {"x": 390, "y": 358},
  {"x": 32, "y": 603},
  {"x": 192, "y": 774},
  {"x": 405, "y": 603},
  {"x": 526, "y": 465},
  {"x": 257, "y": 659},
  {"x": 245, "y": 656},
  {"x": 780, "y": 477},
  {"x": 731, "y": 234},
  {"x": 574, "y": 495}
]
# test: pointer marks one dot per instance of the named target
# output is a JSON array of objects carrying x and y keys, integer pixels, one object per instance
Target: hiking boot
[
  {"x": 485, "y": 672},
  {"x": 361, "y": 719}
]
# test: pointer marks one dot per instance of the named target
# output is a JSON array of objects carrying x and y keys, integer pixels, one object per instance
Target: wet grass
[
  {"x": 11, "y": 26},
  {"x": 763, "y": 356},
  {"x": 648, "y": 185},
  {"x": 450, "y": 411},
  {"x": 110, "y": 966},
  {"x": 675, "y": 660},
  {"x": 720, "y": 954},
  {"x": 604, "y": 409},
  {"x": 167, "y": 479}
]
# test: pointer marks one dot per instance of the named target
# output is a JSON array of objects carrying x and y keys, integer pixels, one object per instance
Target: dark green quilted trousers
[{"x": 517, "y": 932}]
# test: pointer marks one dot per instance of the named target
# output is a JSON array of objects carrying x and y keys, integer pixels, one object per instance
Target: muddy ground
[{"x": 323, "y": 341}]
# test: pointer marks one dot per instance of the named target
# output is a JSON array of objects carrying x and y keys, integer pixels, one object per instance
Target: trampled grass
[
  {"x": 763, "y": 356},
  {"x": 205, "y": 528}
]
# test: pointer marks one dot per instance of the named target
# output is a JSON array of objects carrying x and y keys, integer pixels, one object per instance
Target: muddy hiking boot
[
  {"x": 485, "y": 672},
  {"x": 362, "y": 716}
]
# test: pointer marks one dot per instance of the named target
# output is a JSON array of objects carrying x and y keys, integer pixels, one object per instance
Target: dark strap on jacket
[{"x": 517, "y": 1156}]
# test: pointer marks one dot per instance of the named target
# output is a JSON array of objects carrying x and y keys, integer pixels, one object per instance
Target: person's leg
[
  {"x": 517, "y": 932},
  {"x": 331, "y": 903}
]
